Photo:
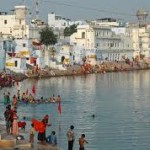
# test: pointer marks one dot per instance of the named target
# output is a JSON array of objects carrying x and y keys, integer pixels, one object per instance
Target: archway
[{"x": 62, "y": 59}]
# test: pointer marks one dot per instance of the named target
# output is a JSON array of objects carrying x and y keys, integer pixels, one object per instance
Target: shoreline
[
  {"x": 77, "y": 70},
  {"x": 80, "y": 71}
]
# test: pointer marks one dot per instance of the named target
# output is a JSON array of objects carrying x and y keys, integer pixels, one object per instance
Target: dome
[{"x": 142, "y": 12}]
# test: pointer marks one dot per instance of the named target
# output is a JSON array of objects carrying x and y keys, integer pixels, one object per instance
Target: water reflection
[{"x": 120, "y": 102}]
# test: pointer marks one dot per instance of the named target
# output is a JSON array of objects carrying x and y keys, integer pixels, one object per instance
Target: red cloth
[
  {"x": 33, "y": 89},
  {"x": 59, "y": 107},
  {"x": 39, "y": 126},
  {"x": 21, "y": 124}
]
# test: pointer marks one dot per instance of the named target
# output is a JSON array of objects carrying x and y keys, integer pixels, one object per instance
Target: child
[
  {"x": 82, "y": 141},
  {"x": 32, "y": 131},
  {"x": 52, "y": 139}
]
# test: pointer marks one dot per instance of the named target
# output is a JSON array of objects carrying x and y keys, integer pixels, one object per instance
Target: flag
[
  {"x": 27, "y": 92},
  {"x": 33, "y": 89},
  {"x": 59, "y": 107}
]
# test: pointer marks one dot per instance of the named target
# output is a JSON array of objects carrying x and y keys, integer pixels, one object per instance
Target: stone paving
[{"x": 9, "y": 142}]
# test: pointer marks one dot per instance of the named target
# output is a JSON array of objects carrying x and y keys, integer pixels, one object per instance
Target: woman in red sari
[
  {"x": 15, "y": 123},
  {"x": 40, "y": 127}
]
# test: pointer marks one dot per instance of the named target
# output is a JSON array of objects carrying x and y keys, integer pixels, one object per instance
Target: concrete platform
[
  {"x": 9, "y": 142},
  {"x": 45, "y": 147}
]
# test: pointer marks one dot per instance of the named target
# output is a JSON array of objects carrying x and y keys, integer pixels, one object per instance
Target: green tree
[
  {"x": 47, "y": 36},
  {"x": 70, "y": 30},
  {"x": 49, "y": 39}
]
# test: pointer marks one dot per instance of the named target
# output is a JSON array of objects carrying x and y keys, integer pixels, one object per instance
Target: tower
[
  {"x": 142, "y": 15},
  {"x": 37, "y": 9}
]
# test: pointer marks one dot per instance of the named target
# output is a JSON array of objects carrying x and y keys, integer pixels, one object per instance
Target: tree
[
  {"x": 47, "y": 36},
  {"x": 70, "y": 30}
]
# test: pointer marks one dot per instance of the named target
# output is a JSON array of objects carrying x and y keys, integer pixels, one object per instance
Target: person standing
[
  {"x": 82, "y": 141},
  {"x": 5, "y": 98},
  {"x": 15, "y": 130},
  {"x": 8, "y": 98},
  {"x": 8, "y": 118},
  {"x": 32, "y": 131},
  {"x": 58, "y": 99},
  {"x": 71, "y": 137},
  {"x": 40, "y": 126},
  {"x": 18, "y": 95}
]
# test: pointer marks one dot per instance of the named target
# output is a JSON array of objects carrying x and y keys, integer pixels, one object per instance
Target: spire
[{"x": 37, "y": 9}]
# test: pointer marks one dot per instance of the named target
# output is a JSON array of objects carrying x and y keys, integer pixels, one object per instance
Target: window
[
  {"x": 16, "y": 63},
  {"x": 96, "y": 34},
  {"x": 111, "y": 44},
  {"x": 24, "y": 45},
  {"x": 5, "y": 21},
  {"x": 19, "y": 21},
  {"x": 83, "y": 35}
]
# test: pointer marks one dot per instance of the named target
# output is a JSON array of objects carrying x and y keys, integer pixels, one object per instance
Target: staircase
[{"x": 9, "y": 142}]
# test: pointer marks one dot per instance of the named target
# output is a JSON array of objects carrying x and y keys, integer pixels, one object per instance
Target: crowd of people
[
  {"x": 40, "y": 126},
  {"x": 28, "y": 98},
  {"x": 6, "y": 79},
  {"x": 14, "y": 123}
]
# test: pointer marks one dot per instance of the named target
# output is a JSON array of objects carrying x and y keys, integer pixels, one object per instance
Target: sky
[{"x": 83, "y": 9}]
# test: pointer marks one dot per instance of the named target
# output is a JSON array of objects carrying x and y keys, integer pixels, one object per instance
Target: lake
[{"x": 120, "y": 102}]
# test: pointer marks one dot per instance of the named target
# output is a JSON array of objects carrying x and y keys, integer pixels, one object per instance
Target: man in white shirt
[{"x": 71, "y": 137}]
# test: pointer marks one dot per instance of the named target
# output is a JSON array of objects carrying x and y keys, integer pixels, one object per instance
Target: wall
[
  {"x": 2, "y": 56},
  {"x": 20, "y": 67}
]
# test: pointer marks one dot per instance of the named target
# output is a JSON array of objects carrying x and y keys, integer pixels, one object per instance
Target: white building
[
  {"x": 23, "y": 52},
  {"x": 57, "y": 21},
  {"x": 19, "y": 24},
  {"x": 144, "y": 41},
  {"x": 104, "y": 42},
  {"x": 141, "y": 40},
  {"x": 14, "y": 24},
  {"x": 2, "y": 55},
  {"x": 16, "y": 64},
  {"x": 40, "y": 58},
  {"x": 109, "y": 22}
]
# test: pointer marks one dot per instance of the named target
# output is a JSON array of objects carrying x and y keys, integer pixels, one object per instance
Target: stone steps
[
  {"x": 9, "y": 142},
  {"x": 45, "y": 147}
]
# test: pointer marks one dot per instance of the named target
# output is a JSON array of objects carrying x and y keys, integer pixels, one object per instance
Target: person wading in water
[{"x": 71, "y": 137}]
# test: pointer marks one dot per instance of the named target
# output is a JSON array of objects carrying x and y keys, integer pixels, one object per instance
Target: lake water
[{"x": 120, "y": 102}]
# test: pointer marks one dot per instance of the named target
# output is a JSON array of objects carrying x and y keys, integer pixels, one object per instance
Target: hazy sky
[{"x": 83, "y": 9}]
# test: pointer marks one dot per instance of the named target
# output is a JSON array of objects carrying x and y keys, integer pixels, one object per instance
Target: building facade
[
  {"x": 2, "y": 55},
  {"x": 105, "y": 42}
]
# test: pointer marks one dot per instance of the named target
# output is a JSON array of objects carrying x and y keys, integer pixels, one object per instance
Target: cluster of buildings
[{"x": 98, "y": 40}]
